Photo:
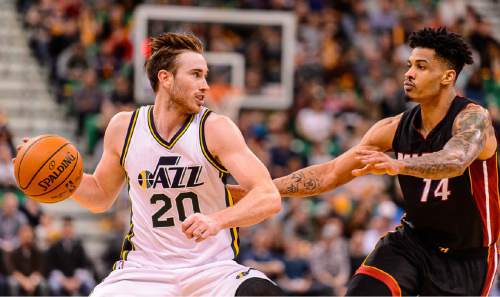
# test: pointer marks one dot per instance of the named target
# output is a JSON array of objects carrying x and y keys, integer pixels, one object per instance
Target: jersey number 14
[{"x": 441, "y": 190}]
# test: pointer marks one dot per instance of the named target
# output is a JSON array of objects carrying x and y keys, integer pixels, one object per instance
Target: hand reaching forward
[
  {"x": 200, "y": 227},
  {"x": 377, "y": 163}
]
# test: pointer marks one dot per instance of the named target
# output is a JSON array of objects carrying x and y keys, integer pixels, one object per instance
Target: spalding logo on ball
[{"x": 48, "y": 168}]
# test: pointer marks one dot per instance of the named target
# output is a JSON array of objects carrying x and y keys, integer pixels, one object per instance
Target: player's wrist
[
  {"x": 217, "y": 222},
  {"x": 400, "y": 167}
]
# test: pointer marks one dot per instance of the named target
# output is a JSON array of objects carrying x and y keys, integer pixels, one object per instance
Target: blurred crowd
[
  {"x": 36, "y": 256},
  {"x": 349, "y": 65}
]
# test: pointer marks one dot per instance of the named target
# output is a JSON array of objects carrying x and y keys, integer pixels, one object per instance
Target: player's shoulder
[
  {"x": 475, "y": 107},
  {"x": 390, "y": 123},
  {"x": 215, "y": 118},
  {"x": 220, "y": 132},
  {"x": 117, "y": 128},
  {"x": 382, "y": 133},
  {"x": 121, "y": 118},
  {"x": 472, "y": 113},
  {"x": 120, "y": 122},
  {"x": 218, "y": 123}
]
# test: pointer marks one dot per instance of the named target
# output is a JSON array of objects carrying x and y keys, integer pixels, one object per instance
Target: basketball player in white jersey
[{"x": 174, "y": 157}]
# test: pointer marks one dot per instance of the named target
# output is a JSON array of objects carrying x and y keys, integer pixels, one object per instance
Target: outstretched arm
[
  {"x": 317, "y": 179},
  {"x": 473, "y": 137}
]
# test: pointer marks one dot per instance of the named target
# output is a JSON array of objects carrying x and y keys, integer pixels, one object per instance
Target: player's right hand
[
  {"x": 237, "y": 192},
  {"x": 377, "y": 163}
]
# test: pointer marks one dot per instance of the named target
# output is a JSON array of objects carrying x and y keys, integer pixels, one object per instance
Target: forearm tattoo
[
  {"x": 470, "y": 130},
  {"x": 300, "y": 183}
]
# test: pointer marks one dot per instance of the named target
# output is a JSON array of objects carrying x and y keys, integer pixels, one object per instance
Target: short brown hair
[{"x": 164, "y": 50}]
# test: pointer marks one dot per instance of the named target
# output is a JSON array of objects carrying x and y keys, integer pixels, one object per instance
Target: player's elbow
[
  {"x": 459, "y": 164},
  {"x": 460, "y": 170},
  {"x": 98, "y": 208},
  {"x": 275, "y": 206},
  {"x": 97, "y": 203},
  {"x": 269, "y": 199},
  {"x": 274, "y": 201}
]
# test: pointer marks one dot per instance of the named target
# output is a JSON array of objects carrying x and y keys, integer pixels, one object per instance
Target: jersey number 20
[{"x": 167, "y": 205}]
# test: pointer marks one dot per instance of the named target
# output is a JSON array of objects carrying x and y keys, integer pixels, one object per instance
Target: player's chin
[
  {"x": 194, "y": 108},
  {"x": 411, "y": 96}
]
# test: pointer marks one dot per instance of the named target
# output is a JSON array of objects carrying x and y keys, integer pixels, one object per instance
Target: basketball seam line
[
  {"x": 38, "y": 171},
  {"x": 27, "y": 149}
]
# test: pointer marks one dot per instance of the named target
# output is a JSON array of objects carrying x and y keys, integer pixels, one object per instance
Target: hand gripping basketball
[{"x": 48, "y": 168}]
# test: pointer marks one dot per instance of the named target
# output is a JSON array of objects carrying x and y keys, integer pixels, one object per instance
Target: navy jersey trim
[
  {"x": 204, "y": 148},
  {"x": 175, "y": 138},
  {"x": 128, "y": 136}
]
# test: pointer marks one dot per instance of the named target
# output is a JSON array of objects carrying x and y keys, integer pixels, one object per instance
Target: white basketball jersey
[{"x": 168, "y": 181}]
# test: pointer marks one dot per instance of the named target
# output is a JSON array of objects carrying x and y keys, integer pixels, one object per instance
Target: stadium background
[{"x": 66, "y": 67}]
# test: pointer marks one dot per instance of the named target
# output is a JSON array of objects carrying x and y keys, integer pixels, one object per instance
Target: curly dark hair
[{"x": 448, "y": 45}]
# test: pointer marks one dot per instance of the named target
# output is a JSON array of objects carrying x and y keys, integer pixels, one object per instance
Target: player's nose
[
  {"x": 204, "y": 86},
  {"x": 410, "y": 74}
]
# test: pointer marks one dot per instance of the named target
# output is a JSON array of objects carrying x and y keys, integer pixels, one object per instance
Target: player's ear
[
  {"x": 448, "y": 77},
  {"x": 165, "y": 78}
]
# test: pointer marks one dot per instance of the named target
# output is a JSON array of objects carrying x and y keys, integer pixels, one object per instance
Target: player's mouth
[
  {"x": 200, "y": 99},
  {"x": 408, "y": 85}
]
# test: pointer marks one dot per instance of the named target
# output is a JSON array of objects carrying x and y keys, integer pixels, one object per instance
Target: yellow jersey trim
[
  {"x": 128, "y": 136},
  {"x": 234, "y": 230}
]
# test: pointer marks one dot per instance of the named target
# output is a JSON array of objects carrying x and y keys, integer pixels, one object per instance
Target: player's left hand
[
  {"x": 377, "y": 163},
  {"x": 200, "y": 227}
]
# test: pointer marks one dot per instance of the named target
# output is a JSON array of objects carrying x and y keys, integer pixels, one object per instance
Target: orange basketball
[{"x": 48, "y": 168}]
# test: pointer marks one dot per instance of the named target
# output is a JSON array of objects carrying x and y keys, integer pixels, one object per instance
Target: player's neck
[
  {"x": 167, "y": 117},
  {"x": 434, "y": 110}
]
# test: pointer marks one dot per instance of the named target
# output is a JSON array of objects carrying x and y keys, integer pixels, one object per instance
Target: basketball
[{"x": 48, "y": 168}]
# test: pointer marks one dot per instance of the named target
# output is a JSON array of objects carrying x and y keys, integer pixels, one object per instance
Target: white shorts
[{"x": 215, "y": 279}]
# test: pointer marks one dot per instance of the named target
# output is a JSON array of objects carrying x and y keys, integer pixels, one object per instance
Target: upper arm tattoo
[{"x": 470, "y": 130}]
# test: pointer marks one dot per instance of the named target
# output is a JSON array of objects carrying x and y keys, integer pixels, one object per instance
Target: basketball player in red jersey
[{"x": 446, "y": 162}]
